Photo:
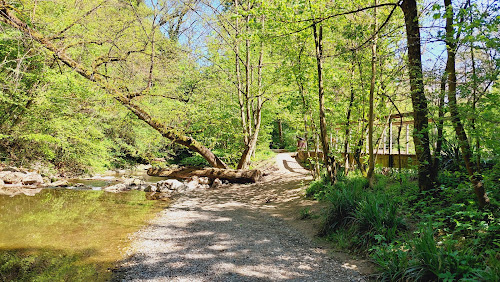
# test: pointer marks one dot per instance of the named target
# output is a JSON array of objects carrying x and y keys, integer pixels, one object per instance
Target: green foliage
[
  {"x": 344, "y": 202},
  {"x": 415, "y": 236},
  {"x": 305, "y": 213},
  {"x": 316, "y": 187},
  {"x": 378, "y": 220},
  {"x": 194, "y": 161}
]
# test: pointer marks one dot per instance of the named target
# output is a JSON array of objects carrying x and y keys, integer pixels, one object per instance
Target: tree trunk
[
  {"x": 427, "y": 176},
  {"x": 280, "y": 133},
  {"x": 357, "y": 153},
  {"x": 305, "y": 107},
  {"x": 440, "y": 124},
  {"x": 455, "y": 117},
  {"x": 474, "y": 102},
  {"x": 252, "y": 144},
  {"x": 318, "y": 42},
  {"x": 9, "y": 18},
  {"x": 248, "y": 69},
  {"x": 348, "y": 120},
  {"x": 231, "y": 175},
  {"x": 371, "y": 160}
]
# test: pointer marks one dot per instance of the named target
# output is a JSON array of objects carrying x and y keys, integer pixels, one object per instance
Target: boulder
[
  {"x": 20, "y": 178},
  {"x": 121, "y": 187},
  {"x": 150, "y": 188},
  {"x": 60, "y": 183},
  {"x": 156, "y": 196},
  {"x": 11, "y": 177},
  {"x": 32, "y": 178},
  {"x": 1, "y": 183},
  {"x": 170, "y": 185},
  {"x": 195, "y": 182},
  {"x": 133, "y": 182},
  {"x": 216, "y": 184},
  {"x": 13, "y": 169}
]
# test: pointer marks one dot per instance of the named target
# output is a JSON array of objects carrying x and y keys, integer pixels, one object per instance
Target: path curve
[{"x": 234, "y": 233}]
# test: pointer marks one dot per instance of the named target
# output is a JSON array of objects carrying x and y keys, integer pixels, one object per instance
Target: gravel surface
[{"x": 234, "y": 233}]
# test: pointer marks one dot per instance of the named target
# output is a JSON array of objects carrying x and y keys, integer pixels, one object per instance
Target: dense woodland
[{"x": 88, "y": 86}]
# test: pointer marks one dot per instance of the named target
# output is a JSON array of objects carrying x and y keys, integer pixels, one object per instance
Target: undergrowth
[{"x": 411, "y": 235}]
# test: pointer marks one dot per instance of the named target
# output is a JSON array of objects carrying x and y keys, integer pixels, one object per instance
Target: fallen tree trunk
[{"x": 231, "y": 175}]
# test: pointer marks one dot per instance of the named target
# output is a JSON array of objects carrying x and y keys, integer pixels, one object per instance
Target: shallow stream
[{"x": 90, "y": 225}]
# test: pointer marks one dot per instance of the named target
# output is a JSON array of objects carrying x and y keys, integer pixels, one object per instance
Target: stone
[
  {"x": 204, "y": 180},
  {"x": 216, "y": 184},
  {"x": 13, "y": 169},
  {"x": 121, "y": 187},
  {"x": 150, "y": 188},
  {"x": 32, "y": 178},
  {"x": 60, "y": 183},
  {"x": 21, "y": 178},
  {"x": 170, "y": 185},
  {"x": 195, "y": 182},
  {"x": 133, "y": 182},
  {"x": 11, "y": 177},
  {"x": 1, "y": 183},
  {"x": 156, "y": 196}
]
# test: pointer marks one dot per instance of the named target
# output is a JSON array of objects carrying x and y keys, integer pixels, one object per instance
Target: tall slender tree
[
  {"x": 427, "y": 175},
  {"x": 451, "y": 47}
]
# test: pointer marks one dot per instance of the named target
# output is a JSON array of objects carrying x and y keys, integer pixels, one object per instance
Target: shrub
[
  {"x": 344, "y": 201},
  {"x": 393, "y": 258},
  {"x": 316, "y": 187},
  {"x": 377, "y": 220}
]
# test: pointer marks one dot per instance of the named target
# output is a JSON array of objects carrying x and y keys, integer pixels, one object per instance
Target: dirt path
[{"x": 236, "y": 233}]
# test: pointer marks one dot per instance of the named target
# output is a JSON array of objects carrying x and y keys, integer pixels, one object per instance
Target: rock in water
[
  {"x": 32, "y": 179},
  {"x": 59, "y": 183},
  {"x": 13, "y": 191},
  {"x": 133, "y": 182},
  {"x": 12, "y": 177},
  {"x": 20, "y": 178},
  {"x": 121, "y": 187}
]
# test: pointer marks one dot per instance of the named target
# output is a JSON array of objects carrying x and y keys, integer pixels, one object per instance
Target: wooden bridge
[{"x": 388, "y": 151}]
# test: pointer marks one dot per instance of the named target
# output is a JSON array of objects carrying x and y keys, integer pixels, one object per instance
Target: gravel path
[{"x": 235, "y": 233}]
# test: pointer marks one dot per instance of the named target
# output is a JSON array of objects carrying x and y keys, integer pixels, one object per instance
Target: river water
[{"x": 86, "y": 222}]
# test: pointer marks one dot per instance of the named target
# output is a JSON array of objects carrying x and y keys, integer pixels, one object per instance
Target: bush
[
  {"x": 317, "y": 187},
  {"x": 416, "y": 235},
  {"x": 377, "y": 220}
]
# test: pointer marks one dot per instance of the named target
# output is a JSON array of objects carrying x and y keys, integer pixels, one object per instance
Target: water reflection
[{"x": 75, "y": 220}]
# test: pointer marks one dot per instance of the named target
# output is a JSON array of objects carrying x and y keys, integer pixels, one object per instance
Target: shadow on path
[{"x": 230, "y": 234}]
